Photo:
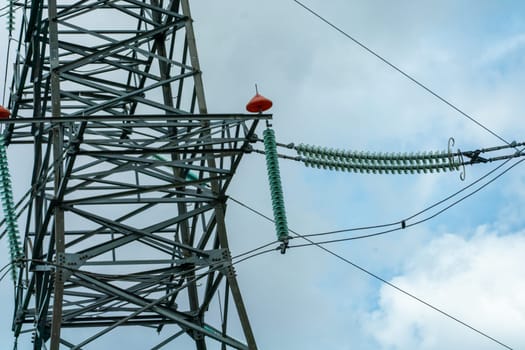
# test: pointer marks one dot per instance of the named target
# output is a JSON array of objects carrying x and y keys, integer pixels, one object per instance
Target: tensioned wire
[
  {"x": 400, "y": 223},
  {"x": 399, "y": 70},
  {"x": 320, "y": 244},
  {"x": 399, "y": 289}
]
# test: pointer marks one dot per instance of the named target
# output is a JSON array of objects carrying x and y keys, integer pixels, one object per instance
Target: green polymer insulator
[
  {"x": 320, "y": 153},
  {"x": 340, "y": 154},
  {"x": 9, "y": 208},
  {"x": 310, "y": 151},
  {"x": 332, "y": 153},
  {"x": 376, "y": 162},
  {"x": 352, "y": 156},
  {"x": 325, "y": 154},
  {"x": 274, "y": 179},
  {"x": 377, "y": 157},
  {"x": 424, "y": 157},
  {"x": 355, "y": 157},
  {"x": 406, "y": 158},
  {"x": 299, "y": 149},
  {"x": 392, "y": 159},
  {"x": 11, "y": 17},
  {"x": 395, "y": 159},
  {"x": 380, "y": 158},
  {"x": 400, "y": 159},
  {"x": 431, "y": 158}
]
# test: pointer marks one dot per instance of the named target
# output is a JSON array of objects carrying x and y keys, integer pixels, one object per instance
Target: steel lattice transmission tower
[{"x": 124, "y": 221}]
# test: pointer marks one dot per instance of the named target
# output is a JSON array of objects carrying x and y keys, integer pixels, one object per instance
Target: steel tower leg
[{"x": 125, "y": 217}]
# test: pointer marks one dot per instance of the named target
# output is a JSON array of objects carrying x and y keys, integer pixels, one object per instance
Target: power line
[
  {"x": 407, "y": 293},
  {"x": 466, "y": 196},
  {"x": 444, "y": 313},
  {"x": 403, "y": 223},
  {"x": 467, "y": 187},
  {"x": 399, "y": 70},
  {"x": 256, "y": 249}
]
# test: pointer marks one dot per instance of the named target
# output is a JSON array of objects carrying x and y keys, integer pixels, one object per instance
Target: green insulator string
[
  {"x": 377, "y": 162},
  {"x": 276, "y": 191},
  {"x": 6, "y": 194},
  {"x": 375, "y": 168},
  {"x": 11, "y": 17}
]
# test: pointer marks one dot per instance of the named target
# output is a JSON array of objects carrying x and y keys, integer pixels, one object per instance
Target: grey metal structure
[{"x": 124, "y": 220}]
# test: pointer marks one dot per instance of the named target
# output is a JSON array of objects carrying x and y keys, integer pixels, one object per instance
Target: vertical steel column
[
  {"x": 57, "y": 165},
  {"x": 219, "y": 209}
]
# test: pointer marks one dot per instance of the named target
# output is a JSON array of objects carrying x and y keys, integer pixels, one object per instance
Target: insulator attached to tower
[
  {"x": 11, "y": 17},
  {"x": 259, "y": 104},
  {"x": 276, "y": 191},
  {"x": 6, "y": 198}
]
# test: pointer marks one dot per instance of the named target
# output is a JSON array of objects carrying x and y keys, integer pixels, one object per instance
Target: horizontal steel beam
[{"x": 137, "y": 117}]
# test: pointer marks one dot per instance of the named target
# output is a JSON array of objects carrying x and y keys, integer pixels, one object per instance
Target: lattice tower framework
[{"x": 123, "y": 224}]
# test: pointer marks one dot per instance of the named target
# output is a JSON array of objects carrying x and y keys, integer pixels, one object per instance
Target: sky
[{"x": 328, "y": 91}]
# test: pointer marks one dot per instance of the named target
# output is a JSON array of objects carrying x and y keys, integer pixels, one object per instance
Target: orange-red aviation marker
[
  {"x": 258, "y": 104},
  {"x": 4, "y": 113}
]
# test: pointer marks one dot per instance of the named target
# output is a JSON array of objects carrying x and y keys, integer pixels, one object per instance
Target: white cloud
[{"x": 477, "y": 280}]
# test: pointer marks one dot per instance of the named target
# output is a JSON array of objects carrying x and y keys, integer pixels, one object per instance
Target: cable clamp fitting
[{"x": 284, "y": 245}]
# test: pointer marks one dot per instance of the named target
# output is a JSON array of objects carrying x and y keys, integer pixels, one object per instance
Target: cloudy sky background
[{"x": 328, "y": 91}]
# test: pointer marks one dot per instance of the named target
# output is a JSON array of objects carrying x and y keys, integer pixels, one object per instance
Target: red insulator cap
[
  {"x": 259, "y": 104},
  {"x": 4, "y": 113}
]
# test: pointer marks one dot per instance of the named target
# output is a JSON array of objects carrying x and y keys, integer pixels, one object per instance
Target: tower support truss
[{"x": 124, "y": 222}]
